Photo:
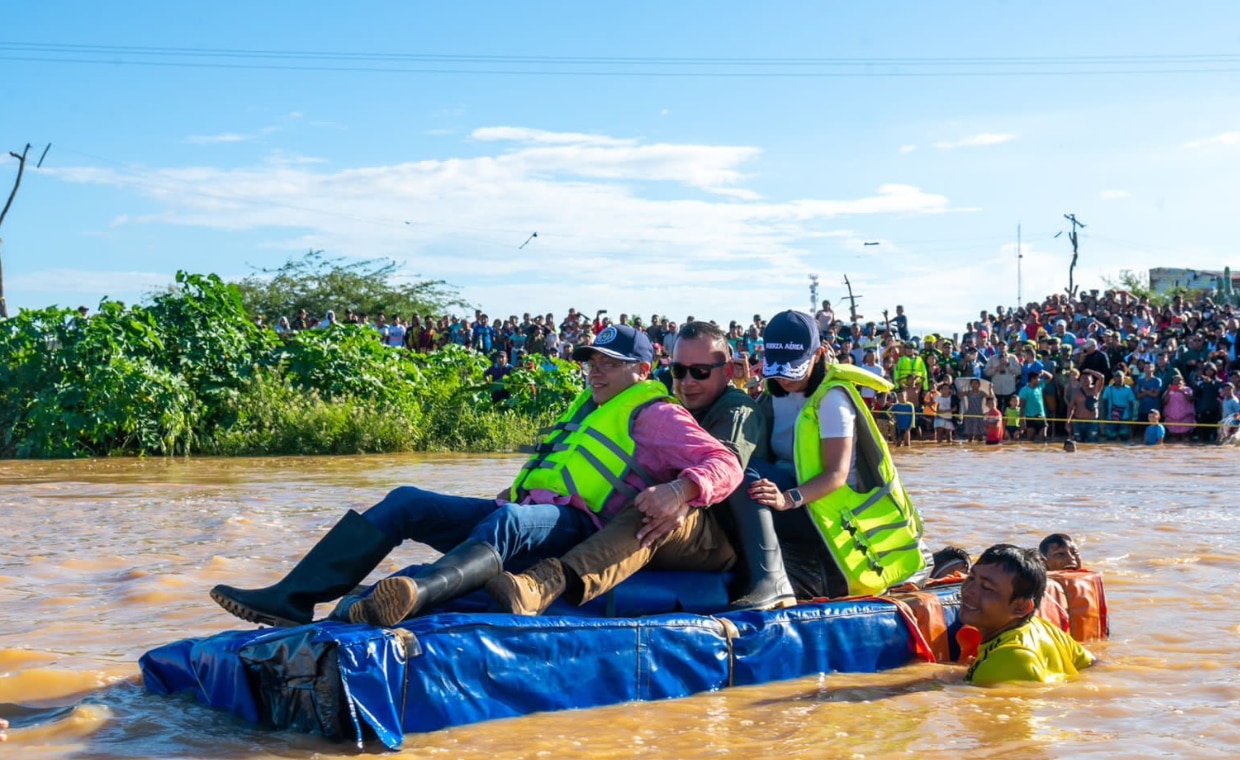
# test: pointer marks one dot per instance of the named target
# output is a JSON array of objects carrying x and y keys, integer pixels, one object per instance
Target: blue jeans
[
  {"x": 522, "y": 533},
  {"x": 782, "y": 477},
  {"x": 1086, "y": 431}
]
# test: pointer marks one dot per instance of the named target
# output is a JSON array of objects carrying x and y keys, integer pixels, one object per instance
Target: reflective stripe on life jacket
[
  {"x": 590, "y": 450},
  {"x": 873, "y": 531}
]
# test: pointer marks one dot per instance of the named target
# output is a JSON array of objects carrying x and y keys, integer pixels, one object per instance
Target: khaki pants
[{"x": 605, "y": 559}]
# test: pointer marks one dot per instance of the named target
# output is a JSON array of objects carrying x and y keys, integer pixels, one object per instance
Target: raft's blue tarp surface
[{"x": 454, "y": 668}]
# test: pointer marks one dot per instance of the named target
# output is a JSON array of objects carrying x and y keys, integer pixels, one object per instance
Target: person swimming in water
[
  {"x": 1060, "y": 552},
  {"x": 1000, "y": 598},
  {"x": 949, "y": 560}
]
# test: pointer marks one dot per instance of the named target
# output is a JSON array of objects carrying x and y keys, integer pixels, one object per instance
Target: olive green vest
[
  {"x": 873, "y": 531},
  {"x": 588, "y": 452}
]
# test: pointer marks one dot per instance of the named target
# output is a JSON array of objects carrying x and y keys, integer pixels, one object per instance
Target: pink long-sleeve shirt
[{"x": 670, "y": 444}]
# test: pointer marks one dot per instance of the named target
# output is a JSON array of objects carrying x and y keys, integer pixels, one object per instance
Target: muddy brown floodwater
[{"x": 106, "y": 559}]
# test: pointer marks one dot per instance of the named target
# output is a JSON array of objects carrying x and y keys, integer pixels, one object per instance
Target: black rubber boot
[
  {"x": 767, "y": 580},
  {"x": 337, "y": 563},
  {"x": 465, "y": 569}
]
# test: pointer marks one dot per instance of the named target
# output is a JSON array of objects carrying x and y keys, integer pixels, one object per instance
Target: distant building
[{"x": 1164, "y": 279}]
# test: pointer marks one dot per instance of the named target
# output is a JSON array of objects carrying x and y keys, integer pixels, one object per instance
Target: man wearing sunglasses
[
  {"x": 621, "y": 446},
  {"x": 668, "y": 536}
]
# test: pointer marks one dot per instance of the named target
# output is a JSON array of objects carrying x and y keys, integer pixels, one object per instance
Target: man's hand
[{"x": 664, "y": 512}]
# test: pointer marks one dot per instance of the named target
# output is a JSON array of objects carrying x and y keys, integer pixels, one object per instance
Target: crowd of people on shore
[
  {"x": 1099, "y": 366},
  {"x": 1107, "y": 366}
]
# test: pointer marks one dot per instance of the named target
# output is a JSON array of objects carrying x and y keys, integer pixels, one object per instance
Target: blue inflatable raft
[{"x": 652, "y": 638}]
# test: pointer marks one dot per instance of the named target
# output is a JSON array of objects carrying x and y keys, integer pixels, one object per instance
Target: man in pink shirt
[
  {"x": 672, "y": 462},
  {"x": 669, "y": 534}
]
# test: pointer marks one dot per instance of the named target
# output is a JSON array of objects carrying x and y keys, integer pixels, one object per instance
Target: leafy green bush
[
  {"x": 347, "y": 360},
  {"x": 192, "y": 373},
  {"x": 76, "y": 387}
]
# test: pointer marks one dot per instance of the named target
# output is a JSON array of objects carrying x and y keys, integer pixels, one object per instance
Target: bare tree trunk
[
  {"x": 4, "y": 307},
  {"x": 1071, "y": 286},
  {"x": 1072, "y": 238},
  {"x": 21, "y": 167}
]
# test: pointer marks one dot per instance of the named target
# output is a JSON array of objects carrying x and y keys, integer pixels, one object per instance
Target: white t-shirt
[
  {"x": 873, "y": 369},
  {"x": 396, "y": 335},
  {"x": 837, "y": 418}
]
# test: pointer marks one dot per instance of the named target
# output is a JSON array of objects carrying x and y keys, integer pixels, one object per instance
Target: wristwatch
[{"x": 797, "y": 499}]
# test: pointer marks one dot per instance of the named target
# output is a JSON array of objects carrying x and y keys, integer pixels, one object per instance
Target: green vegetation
[
  {"x": 192, "y": 373},
  {"x": 317, "y": 283}
]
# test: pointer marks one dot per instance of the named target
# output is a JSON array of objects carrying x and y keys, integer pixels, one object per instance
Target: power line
[
  {"x": 679, "y": 60},
  {"x": 622, "y": 66}
]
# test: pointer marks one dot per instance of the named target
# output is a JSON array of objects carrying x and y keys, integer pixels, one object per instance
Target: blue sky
[{"x": 680, "y": 158}]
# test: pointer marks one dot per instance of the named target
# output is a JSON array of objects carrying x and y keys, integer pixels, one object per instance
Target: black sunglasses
[{"x": 699, "y": 371}]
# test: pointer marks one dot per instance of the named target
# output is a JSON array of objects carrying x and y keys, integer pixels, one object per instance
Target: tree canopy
[{"x": 317, "y": 283}]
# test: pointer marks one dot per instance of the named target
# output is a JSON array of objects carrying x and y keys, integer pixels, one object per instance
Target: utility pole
[
  {"x": 1072, "y": 239},
  {"x": 852, "y": 301},
  {"x": 21, "y": 167},
  {"x": 1019, "y": 301},
  {"x": 813, "y": 294}
]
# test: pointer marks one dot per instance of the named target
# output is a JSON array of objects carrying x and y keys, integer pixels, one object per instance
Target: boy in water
[
  {"x": 1230, "y": 421},
  {"x": 902, "y": 413},
  {"x": 950, "y": 560},
  {"x": 1155, "y": 432},
  {"x": 1011, "y": 419},
  {"x": 1060, "y": 552},
  {"x": 944, "y": 428},
  {"x": 994, "y": 423}
]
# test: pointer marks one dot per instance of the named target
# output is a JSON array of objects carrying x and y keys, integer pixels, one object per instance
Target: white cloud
[
  {"x": 542, "y": 136},
  {"x": 1114, "y": 195},
  {"x": 1226, "y": 138},
  {"x": 281, "y": 158},
  {"x": 226, "y": 137},
  {"x": 907, "y": 148},
  {"x": 976, "y": 141},
  {"x": 642, "y": 225},
  {"x": 229, "y": 137}
]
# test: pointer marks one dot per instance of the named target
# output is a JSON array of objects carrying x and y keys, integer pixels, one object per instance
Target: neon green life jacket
[
  {"x": 588, "y": 452},
  {"x": 911, "y": 365},
  {"x": 873, "y": 531}
]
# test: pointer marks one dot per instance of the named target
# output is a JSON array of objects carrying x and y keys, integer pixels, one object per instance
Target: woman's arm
[{"x": 836, "y": 459}]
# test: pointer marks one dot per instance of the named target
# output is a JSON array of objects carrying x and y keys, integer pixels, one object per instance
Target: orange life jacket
[
  {"x": 1054, "y": 607},
  {"x": 926, "y": 608},
  {"x": 1087, "y": 603}
]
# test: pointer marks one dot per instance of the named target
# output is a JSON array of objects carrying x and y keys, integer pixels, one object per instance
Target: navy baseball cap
[
  {"x": 619, "y": 342},
  {"x": 791, "y": 339}
]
